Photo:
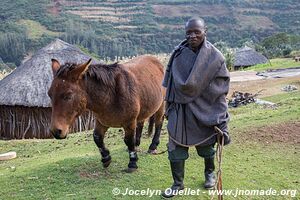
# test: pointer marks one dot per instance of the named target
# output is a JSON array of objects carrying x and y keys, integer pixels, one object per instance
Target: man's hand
[{"x": 227, "y": 139}]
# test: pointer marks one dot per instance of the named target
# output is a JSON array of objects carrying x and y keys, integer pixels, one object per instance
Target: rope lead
[{"x": 220, "y": 144}]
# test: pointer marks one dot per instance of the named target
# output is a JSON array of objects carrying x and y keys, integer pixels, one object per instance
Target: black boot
[
  {"x": 177, "y": 169},
  {"x": 210, "y": 178}
]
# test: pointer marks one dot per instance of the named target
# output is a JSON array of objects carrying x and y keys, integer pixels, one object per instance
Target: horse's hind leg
[
  {"x": 138, "y": 133},
  {"x": 150, "y": 125},
  {"x": 99, "y": 133},
  {"x": 158, "y": 120},
  {"x": 129, "y": 140}
]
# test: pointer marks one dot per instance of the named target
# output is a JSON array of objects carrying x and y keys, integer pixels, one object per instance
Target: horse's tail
[{"x": 150, "y": 125}]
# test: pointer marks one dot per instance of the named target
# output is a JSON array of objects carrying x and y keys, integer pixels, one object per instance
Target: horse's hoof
[
  {"x": 130, "y": 170},
  {"x": 106, "y": 164},
  {"x": 152, "y": 151}
]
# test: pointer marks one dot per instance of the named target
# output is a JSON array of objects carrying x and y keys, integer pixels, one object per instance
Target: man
[{"x": 197, "y": 83}]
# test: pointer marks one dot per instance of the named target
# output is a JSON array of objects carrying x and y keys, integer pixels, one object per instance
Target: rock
[
  {"x": 289, "y": 88},
  {"x": 265, "y": 103},
  {"x": 8, "y": 156}
]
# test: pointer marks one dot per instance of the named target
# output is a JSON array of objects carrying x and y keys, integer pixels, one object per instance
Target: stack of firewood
[{"x": 240, "y": 98}]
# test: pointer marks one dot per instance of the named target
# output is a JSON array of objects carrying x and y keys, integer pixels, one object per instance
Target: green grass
[
  {"x": 287, "y": 109},
  {"x": 277, "y": 63},
  {"x": 35, "y": 30},
  {"x": 71, "y": 168}
]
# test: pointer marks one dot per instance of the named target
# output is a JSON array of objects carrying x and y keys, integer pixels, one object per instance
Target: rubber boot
[
  {"x": 177, "y": 169},
  {"x": 210, "y": 178}
]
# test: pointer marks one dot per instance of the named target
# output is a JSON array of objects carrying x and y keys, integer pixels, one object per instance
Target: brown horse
[{"x": 120, "y": 95}]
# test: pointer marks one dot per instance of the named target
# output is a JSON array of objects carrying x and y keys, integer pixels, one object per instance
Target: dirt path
[
  {"x": 281, "y": 73},
  {"x": 239, "y": 76},
  {"x": 270, "y": 82},
  {"x": 269, "y": 86}
]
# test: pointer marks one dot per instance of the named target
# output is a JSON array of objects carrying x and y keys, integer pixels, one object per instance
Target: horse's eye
[{"x": 66, "y": 98}]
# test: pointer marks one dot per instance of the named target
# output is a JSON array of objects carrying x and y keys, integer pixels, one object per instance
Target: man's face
[{"x": 195, "y": 32}]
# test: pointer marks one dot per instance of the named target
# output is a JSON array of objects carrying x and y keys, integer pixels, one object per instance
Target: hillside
[
  {"x": 167, "y": 14},
  {"x": 113, "y": 28}
]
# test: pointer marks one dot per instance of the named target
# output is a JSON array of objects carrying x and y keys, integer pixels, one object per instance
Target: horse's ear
[
  {"x": 55, "y": 66},
  {"x": 81, "y": 69}
]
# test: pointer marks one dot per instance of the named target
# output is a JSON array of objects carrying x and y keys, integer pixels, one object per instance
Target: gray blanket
[{"x": 197, "y": 85}]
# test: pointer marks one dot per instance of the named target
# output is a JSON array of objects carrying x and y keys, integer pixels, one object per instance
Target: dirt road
[
  {"x": 252, "y": 75},
  {"x": 248, "y": 81}
]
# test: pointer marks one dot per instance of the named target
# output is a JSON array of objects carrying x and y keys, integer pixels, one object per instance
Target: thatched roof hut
[
  {"x": 247, "y": 56},
  {"x": 25, "y": 107}
]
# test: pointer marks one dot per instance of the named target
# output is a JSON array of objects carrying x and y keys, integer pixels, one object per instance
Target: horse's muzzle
[{"x": 57, "y": 133}]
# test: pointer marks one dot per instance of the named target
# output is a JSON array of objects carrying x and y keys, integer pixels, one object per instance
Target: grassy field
[
  {"x": 71, "y": 168},
  {"x": 35, "y": 30},
  {"x": 276, "y": 63},
  {"x": 3, "y": 74}
]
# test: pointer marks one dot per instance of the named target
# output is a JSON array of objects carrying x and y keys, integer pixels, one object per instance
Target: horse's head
[{"x": 68, "y": 99}]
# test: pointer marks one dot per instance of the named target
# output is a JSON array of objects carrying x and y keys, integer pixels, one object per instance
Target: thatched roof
[
  {"x": 28, "y": 84},
  {"x": 247, "y": 57}
]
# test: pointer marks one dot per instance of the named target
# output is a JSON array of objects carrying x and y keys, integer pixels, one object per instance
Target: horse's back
[
  {"x": 148, "y": 74},
  {"x": 146, "y": 70},
  {"x": 147, "y": 65}
]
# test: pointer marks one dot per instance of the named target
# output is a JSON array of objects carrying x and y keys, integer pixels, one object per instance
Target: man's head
[{"x": 195, "y": 32}]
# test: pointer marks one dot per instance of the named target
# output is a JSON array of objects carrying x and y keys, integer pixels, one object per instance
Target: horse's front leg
[
  {"x": 129, "y": 140},
  {"x": 99, "y": 133}
]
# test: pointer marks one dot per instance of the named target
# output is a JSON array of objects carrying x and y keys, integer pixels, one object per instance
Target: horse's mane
[
  {"x": 102, "y": 73},
  {"x": 65, "y": 69}
]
